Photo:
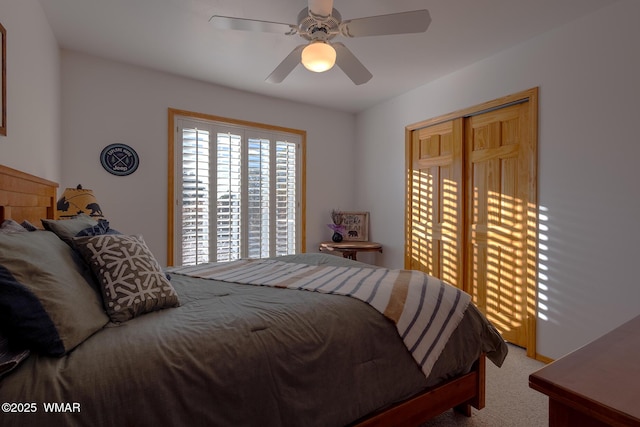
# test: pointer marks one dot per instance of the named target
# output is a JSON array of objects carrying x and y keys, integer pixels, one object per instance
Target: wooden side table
[{"x": 349, "y": 249}]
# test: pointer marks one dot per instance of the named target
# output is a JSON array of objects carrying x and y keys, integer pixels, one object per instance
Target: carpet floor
[{"x": 509, "y": 400}]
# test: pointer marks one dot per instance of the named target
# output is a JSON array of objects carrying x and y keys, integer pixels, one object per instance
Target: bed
[{"x": 203, "y": 351}]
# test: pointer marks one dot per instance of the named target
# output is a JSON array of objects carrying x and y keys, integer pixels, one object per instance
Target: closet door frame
[{"x": 530, "y": 96}]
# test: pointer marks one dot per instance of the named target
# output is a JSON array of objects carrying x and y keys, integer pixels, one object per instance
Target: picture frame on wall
[
  {"x": 356, "y": 226},
  {"x": 3, "y": 82}
]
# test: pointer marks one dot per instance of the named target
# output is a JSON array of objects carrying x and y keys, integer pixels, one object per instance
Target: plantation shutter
[
  {"x": 195, "y": 196},
  {"x": 285, "y": 197},
  {"x": 253, "y": 212},
  {"x": 227, "y": 212}
]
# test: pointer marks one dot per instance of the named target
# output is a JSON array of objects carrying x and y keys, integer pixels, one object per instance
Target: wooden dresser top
[{"x": 601, "y": 378}]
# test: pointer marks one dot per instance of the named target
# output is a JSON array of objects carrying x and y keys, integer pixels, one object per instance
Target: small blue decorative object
[{"x": 119, "y": 159}]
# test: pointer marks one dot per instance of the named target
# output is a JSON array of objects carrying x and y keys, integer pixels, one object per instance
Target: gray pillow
[
  {"x": 133, "y": 282},
  {"x": 67, "y": 229},
  {"x": 48, "y": 300},
  {"x": 11, "y": 226}
]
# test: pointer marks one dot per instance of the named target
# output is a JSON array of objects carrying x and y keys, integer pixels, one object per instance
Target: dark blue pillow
[
  {"x": 101, "y": 228},
  {"x": 28, "y": 226},
  {"x": 35, "y": 328},
  {"x": 10, "y": 355}
]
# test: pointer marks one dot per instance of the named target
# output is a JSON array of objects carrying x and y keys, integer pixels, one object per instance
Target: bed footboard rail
[{"x": 459, "y": 393}]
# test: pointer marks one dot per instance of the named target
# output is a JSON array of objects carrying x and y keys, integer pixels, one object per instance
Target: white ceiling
[{"x": 175, "y": 36}]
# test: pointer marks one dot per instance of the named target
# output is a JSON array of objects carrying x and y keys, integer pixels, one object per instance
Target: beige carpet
[{"x": 509, "y": 400}]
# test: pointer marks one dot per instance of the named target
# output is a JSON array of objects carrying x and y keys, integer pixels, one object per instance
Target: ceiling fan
[{"x": 318, "y": 24}]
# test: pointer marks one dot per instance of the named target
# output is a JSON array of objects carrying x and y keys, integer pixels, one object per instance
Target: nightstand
[{"x": 349, "y": 249}]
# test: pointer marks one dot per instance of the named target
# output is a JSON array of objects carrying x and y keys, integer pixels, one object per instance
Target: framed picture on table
[{"x": 356, "y": 226}]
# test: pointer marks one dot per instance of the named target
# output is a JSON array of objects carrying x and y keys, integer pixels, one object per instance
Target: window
[{"x": 237, "y": 190}]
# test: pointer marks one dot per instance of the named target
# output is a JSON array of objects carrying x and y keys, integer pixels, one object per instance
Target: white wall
[
  {"x": 33, "y": 141},
  {"x": 106, "y": 102},
  {"x": 589, "y": 149}
]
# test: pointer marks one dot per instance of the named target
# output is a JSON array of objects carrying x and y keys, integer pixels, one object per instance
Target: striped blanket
[{"x": 424, "y": 309}]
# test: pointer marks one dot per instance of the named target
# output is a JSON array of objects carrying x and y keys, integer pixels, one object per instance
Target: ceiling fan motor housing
[{"x": 311, "y": 28}]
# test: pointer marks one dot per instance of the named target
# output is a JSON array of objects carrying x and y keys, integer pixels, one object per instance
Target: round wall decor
[{"x": 119, "y": 159}]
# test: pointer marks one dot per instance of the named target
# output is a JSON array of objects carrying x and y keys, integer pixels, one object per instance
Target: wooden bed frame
[
  {"x": 460, "y": 393},
  {"x": 27, "y": 197}
]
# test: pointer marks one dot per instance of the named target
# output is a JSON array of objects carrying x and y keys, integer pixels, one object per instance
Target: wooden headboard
[{"x": 26, "y": 197}]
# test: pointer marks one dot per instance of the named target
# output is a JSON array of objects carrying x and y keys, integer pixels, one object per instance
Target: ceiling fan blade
[
  {"x": 286, "y": 66},
  {"x": 351, "y": 66},
  {"x": 230, "y": 23},
  {"x": 416, "y": 21},
  {"x": 320, "y": 9}
]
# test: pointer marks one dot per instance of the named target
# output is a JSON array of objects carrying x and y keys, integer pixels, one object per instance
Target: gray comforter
[{"x": 238, "y": 355}]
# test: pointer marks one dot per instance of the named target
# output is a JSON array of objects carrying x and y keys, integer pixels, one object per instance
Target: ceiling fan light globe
[{"x": 318, "y": 57}]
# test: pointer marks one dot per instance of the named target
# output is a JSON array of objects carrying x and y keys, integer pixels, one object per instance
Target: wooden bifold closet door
[
  {"x": 436, "y": 201},
  {"x": 472, "y": 208}
]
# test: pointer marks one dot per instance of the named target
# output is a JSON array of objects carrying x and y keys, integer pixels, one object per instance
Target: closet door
[
  {"x": 435, "y": 211},
  {"x": 501, "y": 182},
  {"x": 472, "y": 208}
]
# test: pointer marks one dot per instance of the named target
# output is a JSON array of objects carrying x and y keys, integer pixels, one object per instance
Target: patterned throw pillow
[{"x": 132, "y": 281}]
